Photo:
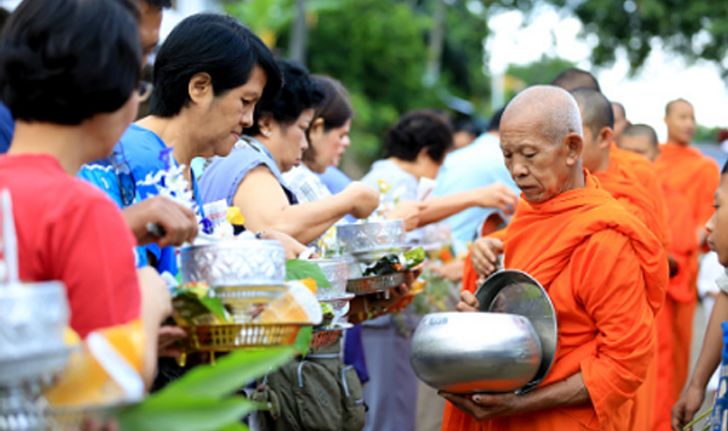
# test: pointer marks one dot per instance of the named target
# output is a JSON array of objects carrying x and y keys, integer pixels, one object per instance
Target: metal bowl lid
[{"x": 516, "y": 292}]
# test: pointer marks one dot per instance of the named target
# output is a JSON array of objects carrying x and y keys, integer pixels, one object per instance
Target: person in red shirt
[{"x": 69, "y": 70}]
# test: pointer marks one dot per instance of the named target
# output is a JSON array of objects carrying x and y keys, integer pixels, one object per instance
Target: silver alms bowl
[
  {"x": 371, "y": 241},
  {"x": 234, "y": 262},
  {"x": 33, "y": 319},
  {"x": 337, "y": 273},
  {"x": 475, "y": 352}
]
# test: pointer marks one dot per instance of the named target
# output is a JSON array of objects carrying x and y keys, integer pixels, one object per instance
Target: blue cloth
[
  {"x": 223, "y": 177},
  {"x": 7, "y": 127},
  {"x": 335, "y": 180},
  {"x": 479, "y": 164},
  {"x": 142, "y": 150},
  {"x": 113, "y": 177}
]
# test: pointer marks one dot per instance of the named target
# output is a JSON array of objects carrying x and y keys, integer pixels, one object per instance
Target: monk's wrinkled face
[
  {"x": 680, "y": 122},
  {"x": 639, "y": 144},
  {"x": 540, "y": 165},
  {"x": 718, "y": 224}
]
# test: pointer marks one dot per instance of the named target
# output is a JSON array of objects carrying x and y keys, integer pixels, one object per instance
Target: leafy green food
[
  {"x": 297, "y": 269},
  {"x": 414, "y": 257},
  {"x": 193, "y": 306}
]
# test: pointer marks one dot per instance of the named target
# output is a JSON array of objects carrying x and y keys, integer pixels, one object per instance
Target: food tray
[
  {"x": 227, "y": 337},
  {"x": 375, "y": 284},
  {"x": 325, "y": 337}
]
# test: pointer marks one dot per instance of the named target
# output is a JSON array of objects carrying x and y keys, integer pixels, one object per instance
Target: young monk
[
  {"x": 603, "y": 270},
  {"x": 694, "y": 176},
  {"x": 620, "y": 119},
  {"x": 694, "y": 394},
  {"x": 642, "y": 139},
  {"x": 597, "y": 120}
]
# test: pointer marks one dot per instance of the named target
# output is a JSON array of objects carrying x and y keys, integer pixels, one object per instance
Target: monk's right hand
[
  {"x": 686, "y": 407},
  {"x": 468, "y": 302},
  {"x": 485, "y": 255}
]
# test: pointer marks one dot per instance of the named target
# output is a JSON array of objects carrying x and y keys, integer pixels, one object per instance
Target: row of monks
[{"x": 614, "y": 237}]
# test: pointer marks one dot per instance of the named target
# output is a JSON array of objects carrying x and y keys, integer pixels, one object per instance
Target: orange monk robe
[
  {"x": 691, "y": 178},
  {"x": 625, "y": 187},
  {"x": 606, "y": 275}
]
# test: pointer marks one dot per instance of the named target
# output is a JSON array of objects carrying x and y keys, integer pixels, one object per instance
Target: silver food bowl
[
  {"x": 475, "y": 352},
  {"x": 336, "y": 272},
  {"x": 371, "y": 241},
  {"x": 516, "y": 292},
  {"x": 234, "y": 262},
  {"x": 33, "y": 319}
]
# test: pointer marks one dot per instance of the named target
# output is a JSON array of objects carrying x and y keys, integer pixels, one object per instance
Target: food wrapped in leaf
[
  {"x": 414, "y": 257},
  {"x": 387, "y": 265},
  {"x": 193, "y": 305}
]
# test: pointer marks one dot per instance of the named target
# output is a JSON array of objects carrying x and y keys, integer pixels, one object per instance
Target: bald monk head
[
  {"x": 680, "y": 121},
  {"x": 573, "y": 78},
  {"x": 541, "y": 139},
  {"x": 597, "y": 121},
  {"x": 640, "y": 139},
  {"x": 620, "y": 118}
]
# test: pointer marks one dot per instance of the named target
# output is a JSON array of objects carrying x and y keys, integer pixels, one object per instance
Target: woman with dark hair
[
  {"x": 416, "y": 147},
  {"x": 209, "y": 74},
  {"x": 68, "y": 74},
  {"x": 251, "y": 177}
]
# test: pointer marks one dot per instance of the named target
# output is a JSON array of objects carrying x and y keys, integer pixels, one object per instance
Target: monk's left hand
[{"x": 486, "y": 406}]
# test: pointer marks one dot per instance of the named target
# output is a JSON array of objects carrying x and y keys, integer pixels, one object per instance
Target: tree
[{"x": 695, "y": 29}]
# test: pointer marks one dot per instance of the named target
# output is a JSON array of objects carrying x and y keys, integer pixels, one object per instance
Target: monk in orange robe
[
  {"x": 604, "y": 271},
  {"x": 641, "y": 139},
  {"x": 614, "y": 175},
  {"x": 695, "y": 177}
]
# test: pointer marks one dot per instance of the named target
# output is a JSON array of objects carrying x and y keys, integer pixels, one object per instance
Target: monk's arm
[
  {"x": 713, "y": 342},
  {"x": 609, "y": 284},
  {"x": 568, "y": 392}
]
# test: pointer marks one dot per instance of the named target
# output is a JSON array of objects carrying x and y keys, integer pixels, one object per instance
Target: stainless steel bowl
[
  {"x": 234, "y": 262},
  {"x": 371, "y": 241},
  {"x": 515, "y": 292},
  {"x": 475, "y": 352},
  {"x": 33, "y": 319},
  {"x": 337, "y": 273}
]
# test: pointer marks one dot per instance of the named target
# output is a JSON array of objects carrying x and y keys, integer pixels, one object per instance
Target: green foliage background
[{"x": 379, "y": 48}]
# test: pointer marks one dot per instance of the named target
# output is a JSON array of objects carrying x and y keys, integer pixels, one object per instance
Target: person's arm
[
  {"x": 156, "y": 307},
  {"x": 694, "y": 394},
  {"x": 495, "y": 196},
  {"x": 265, "y": 207}
]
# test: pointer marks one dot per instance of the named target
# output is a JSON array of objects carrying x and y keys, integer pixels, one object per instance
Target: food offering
[
  {"x": 213, "y": 326},
  {"x": 386, "y": 273}
]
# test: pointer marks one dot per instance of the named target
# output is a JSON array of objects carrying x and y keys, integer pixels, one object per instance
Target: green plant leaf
[
  {"x": 297, "y": 269},
  {"x": 303, "y": 341},
  {"x": 186, "y": 413},
  {"x": 229, "y": 374}
]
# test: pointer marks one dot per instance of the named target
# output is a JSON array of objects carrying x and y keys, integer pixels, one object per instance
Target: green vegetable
[
  {"x": 414, "y": 257},
  {"x": 297, "y": 269}
]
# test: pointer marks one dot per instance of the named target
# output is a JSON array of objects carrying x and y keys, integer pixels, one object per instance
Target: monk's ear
[
  {"x": 574, "y": 146},
  {"x": 606, "y": 136}
]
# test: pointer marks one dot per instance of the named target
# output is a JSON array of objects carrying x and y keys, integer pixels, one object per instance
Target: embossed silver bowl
[
  {"x": 337, "y": 273},
  {"x": 475, "y": 352},
  {"x": 234, "y": 262},
  {"x": 33, "y": 319},
  {"x": 371, "y": 241}
]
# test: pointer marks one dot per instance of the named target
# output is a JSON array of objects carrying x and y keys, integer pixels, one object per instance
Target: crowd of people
[{"x": 610, "y": 221}]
